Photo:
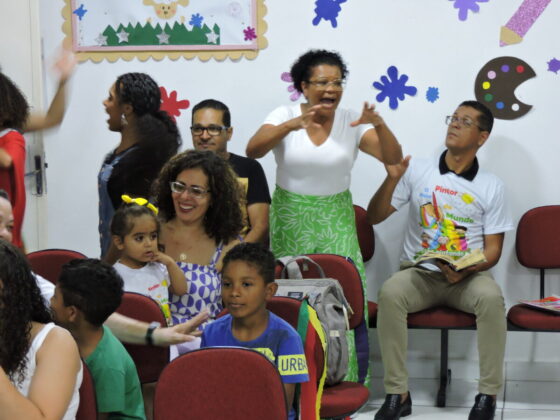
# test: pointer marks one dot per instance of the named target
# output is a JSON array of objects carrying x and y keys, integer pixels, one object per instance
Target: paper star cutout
[
  {"x": 163, "y": 38},
  {"x": 80, "y": 12},
  {"x": 101, "y": 39},
  {"x": 212, "y": 37},
  {"x": 123, "y": 36}
]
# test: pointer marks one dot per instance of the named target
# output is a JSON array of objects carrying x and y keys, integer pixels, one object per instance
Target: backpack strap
[
  {"x": 291, "y": 267},
  {"x": 310, "y": 330}
]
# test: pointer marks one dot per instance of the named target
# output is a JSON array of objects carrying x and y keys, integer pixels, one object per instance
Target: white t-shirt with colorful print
[
  {"x": 152, "y": 280},
  {"x": 447, "y": 212}
]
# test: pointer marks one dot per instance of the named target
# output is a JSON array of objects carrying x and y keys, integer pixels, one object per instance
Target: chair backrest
[
  {"x": 288, "y": 309},
  {"x": 366, "y": 237},
  {"x": 87, "y": 410},
  {"x": 343, "y": 270},
  {"x": 149, "y": 360},
  {"x": 537, "y": 241},
  {"x": 220, "y": 383},
  {"x": 48, "y": 262}
]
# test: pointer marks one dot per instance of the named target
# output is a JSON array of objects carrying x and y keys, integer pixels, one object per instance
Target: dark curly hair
[
  {"x": 122, "y": 222},
  {"x": 223, "y": 219},
  {"x": 20, "y": 303},
  {"x": 157, "y": 134},
  {"x": 254, "y": 254},
  {"x": 14, "y": 108},
  {"x": 302, "y": 68},
  {"x": 92, "y": 286}
]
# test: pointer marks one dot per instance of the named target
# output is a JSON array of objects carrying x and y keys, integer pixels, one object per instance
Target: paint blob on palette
[{"x": 496, "y": 83}]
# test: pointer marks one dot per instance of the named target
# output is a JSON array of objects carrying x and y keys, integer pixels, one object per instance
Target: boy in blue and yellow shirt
[{"x": 247, "y": 283}]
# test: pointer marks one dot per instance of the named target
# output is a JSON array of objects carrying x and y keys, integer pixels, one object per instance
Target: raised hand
[
  {"x": 369, "y": 116},
  {"x": 397, "y": 171},
  {"x": 65, "y": 64},
  {"x": 306, "y": 118}
]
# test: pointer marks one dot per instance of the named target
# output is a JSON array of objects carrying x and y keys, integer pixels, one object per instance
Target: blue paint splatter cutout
[
  {"x": 196, "y": 20},
  {"x": 465, "y": 6},
  {"x": 554, "y": 65},
  {"x": 80, "y": 11},
  {"x": 432, "y": 94},
  {"x": 327, "y": 10},
  {"x": 395, "y": 89}
]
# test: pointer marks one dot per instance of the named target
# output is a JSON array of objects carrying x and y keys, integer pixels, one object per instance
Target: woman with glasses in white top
[
  {"x": 315, "y": 145},
  {"x": 197, "y": 194}
]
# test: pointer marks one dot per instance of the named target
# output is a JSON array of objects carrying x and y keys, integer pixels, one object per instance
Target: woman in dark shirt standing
[{"x": 148, "y": 139}]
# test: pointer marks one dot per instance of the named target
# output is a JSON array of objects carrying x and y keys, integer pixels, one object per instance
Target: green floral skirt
[{"x": 309, "y": 224}]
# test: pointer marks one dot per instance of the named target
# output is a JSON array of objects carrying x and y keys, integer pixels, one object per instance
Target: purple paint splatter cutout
[
  {"x": 465, "y": 6},
  {"x": 554, "y": 65},
  {"x": 295, "y": 94}
]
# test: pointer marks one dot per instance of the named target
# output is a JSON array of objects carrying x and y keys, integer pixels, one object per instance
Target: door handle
[{"x": 38, "y": 174}]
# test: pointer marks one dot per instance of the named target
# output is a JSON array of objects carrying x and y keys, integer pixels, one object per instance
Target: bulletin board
[{"x": 125, "y": 29}]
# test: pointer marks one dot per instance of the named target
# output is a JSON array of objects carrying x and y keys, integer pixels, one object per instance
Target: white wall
[{"x": 424, "y": 39}]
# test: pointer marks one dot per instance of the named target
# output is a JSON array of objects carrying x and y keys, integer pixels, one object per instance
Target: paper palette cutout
[{"x": 496, "y": 83}]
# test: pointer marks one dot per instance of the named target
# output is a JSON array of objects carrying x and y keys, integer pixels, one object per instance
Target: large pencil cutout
[{"x": 521, "y": 21}]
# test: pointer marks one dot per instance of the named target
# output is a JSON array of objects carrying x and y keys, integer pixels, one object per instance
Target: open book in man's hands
[
  {"x": 551, "y": 303},
  {"x": 474, "y": 257}
]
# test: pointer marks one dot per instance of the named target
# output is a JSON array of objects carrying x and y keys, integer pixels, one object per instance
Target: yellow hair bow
[{"x": 140, "y": 201}]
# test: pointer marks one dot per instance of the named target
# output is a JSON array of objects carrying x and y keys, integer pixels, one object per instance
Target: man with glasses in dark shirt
[
  {"x": 454, "y": 208},
  {"x": 211, "y": 130}
]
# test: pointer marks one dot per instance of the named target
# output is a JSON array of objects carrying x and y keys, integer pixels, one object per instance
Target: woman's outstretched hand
[{"x": 369, "y": 116}]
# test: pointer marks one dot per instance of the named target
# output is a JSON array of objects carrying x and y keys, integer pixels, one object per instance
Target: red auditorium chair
[
  {"x": 366, "y": 239},
  {"x": 220, "y": 383},
  {"x": 149, "y": 360},
  {"x": 537, "y": 245},
  {"x": 87, "y": 410},
  {"x": 338, "y": 401},
  {"x": 343, "y": 270},
  {"x": 48, "y": 262}
]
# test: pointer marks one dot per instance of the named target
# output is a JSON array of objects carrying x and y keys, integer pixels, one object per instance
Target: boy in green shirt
[{"x": 87, "y": 292}]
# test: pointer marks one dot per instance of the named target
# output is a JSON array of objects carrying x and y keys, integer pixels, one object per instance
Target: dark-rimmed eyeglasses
[{"x": 212, "y": 130}]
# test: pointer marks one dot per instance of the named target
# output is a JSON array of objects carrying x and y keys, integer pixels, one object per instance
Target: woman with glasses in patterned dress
[
  {"x": 315, "y": 145},
  {"x": 198, "y": 198}
]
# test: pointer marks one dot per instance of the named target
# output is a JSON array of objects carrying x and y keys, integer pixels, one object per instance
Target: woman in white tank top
[{"x": 40, "y": 367}]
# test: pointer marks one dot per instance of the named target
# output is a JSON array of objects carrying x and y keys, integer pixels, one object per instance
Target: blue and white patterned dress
[{"x": 204, "y": 290}]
